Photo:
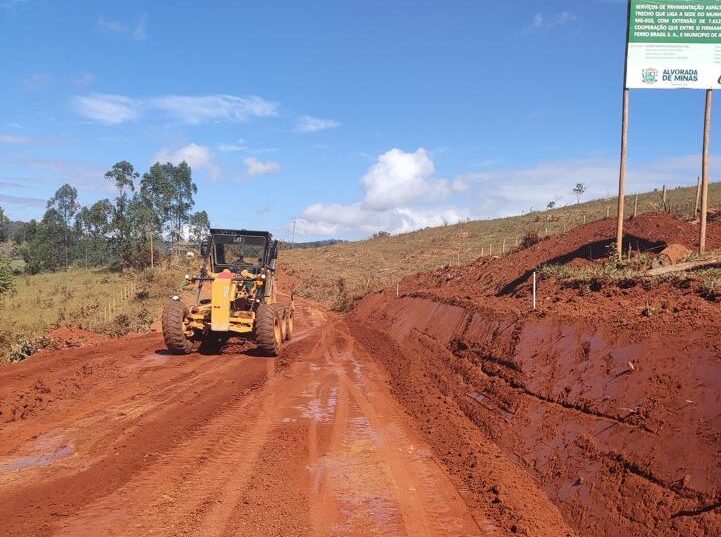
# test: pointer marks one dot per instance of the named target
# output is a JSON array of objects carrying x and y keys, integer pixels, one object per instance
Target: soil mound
[
  {"x": 674, "y": 254},
  {"x": 625, "y": 304},
  {"x": 66, "y": 337}
]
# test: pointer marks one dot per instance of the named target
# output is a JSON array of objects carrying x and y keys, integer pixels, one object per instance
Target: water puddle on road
[
  {"x": 321, "y": 407},
  {"x": 357, "y": 473},
  {"x": 36, "y": 460},
  {"x": 49, "y": 450}
]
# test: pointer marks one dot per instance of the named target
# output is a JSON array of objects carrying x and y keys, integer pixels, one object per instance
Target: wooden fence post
[{"x": 663, "y": 198}]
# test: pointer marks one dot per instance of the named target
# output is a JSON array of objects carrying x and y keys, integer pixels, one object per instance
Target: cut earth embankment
[{"x": 610, "y": 413}]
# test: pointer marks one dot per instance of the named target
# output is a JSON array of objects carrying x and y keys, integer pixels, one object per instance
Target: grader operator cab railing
[{"x": 239, "y": 269}]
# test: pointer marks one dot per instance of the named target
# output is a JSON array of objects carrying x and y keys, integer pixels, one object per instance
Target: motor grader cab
[{"x": 235, "y": 296}]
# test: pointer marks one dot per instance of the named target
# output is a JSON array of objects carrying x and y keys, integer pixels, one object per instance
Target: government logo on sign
[{"x": 649, "y": 76}]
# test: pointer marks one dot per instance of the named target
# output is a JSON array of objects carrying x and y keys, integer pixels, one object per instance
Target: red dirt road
[{"x": 122, "y": 439}]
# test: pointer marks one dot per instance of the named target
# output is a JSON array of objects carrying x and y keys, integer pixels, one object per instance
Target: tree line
[{"x": 147, "y": 215}]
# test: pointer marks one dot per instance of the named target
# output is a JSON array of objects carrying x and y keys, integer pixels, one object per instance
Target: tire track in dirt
[
  {"x": 231, "y": 445},
  {"x": 66, "y": 491}
]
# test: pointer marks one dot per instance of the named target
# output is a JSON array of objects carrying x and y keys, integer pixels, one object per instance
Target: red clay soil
[
  {"x": 599, "y": 414},
  {"x": 70, "y": 336},
  {"x": 608, "y": 396},
  {"x": 123, "y": 439}
]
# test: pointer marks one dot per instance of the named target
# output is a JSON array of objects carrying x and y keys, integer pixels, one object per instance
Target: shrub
[
  {"x": 7, "y": 282},
  {"x": 711, "y": 288},
  {"x": 25, "y": 346},
  {"x": 530, "y": 238},
  {"x": 380, "y": 235}
]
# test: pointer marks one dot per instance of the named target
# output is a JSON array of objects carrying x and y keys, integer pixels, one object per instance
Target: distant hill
[
  {"x": 353, "y": 269},
  {"x": 284, "y": 245}
]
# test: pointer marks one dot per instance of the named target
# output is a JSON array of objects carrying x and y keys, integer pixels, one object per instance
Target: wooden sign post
[
  {"x": 624, "y": 146},
  {"x": 687, "y": 64},
  {"x": 704, "y": 171}
]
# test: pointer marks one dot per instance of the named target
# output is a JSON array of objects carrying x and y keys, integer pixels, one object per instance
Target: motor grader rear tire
[
  {"x": 268, "y": 330},
  {"x": 289, "y": 326},
  {"x": 283, "y": 314},
  {"x": 174, "y": 314}
]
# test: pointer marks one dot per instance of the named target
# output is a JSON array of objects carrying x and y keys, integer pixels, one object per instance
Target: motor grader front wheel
[
  {"x": 174, "y": 314},
  {"x": 268, "y": 330}
]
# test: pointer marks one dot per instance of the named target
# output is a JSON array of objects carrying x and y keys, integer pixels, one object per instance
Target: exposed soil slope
[{"x": 614, "y": 411}]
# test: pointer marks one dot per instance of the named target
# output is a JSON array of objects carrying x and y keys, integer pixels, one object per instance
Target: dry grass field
[
  {"x": 97, "y": 300},
  {"x": 340, "y": 274}
]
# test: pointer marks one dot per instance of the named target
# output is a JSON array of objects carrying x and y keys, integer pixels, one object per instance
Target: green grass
[
  {"x": 98, "y": 300},
  {"x": 607, "y": 270},
  {"x": 345, "y": 272}
]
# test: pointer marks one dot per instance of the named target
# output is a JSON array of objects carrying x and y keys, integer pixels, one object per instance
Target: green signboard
[{"x": 674, "y": 44}]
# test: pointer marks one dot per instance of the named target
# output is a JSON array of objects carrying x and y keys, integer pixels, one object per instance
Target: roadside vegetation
[
  {"x": 108, "y": 267},
  {"x": 96, "y": 299},
  {"x": 359, "y": 268},
  {"x": 105, "y": 268}
]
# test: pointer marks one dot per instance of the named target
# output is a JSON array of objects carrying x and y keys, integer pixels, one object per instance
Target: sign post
[
  {"x": 672, "y": 44},
  {"x": 622, "y": 176},
  {"x": 704, "y": 172},
  {"x": 624, "y": 146}
]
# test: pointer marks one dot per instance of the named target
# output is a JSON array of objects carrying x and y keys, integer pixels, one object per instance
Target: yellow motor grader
[{"x": 239, "y": 266}]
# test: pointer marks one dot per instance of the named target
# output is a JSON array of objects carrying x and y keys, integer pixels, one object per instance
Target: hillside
[
  {"x": 606, "y": 393},
  {"x": 340, "y": 274}
]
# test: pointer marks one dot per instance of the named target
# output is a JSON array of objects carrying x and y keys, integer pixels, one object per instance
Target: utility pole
[{"x": 292, "y": 237}]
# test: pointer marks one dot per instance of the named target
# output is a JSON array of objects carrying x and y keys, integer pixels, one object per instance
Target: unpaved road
[{"x": 122, "y": 439}]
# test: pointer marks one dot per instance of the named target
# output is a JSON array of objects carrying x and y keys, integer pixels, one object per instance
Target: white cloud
[
  {"x": 140, "y": 30},
  {"x": 255, "y": 167},
  {"x": 398, "y": 178},
  {"x": 23, "y": 201},
  {"x": 232, "y": 147},
  {"x": 83, "y": 80},
  {"x": 13, "y": 139},
  {"x": 200, "y": 109},
  {"x": 198, "y": 157},
  {"x": 401, "y": 195},
  {"x": 137, "y": 31},
  {"x": 37, "y": 82},
  {"x": 549, "y": 21},
  {"x": 84, "y": 175},
  {"x": 315, "y": 124},
  {"x": 108, "y": 109},
  {"x": 114, "y": 109},
  {"x": 357, "y": 219},
  {"x": 503, "y": 192}
]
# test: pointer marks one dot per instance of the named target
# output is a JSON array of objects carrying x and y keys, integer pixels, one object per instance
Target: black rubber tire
[
  {"x": 280, "y": 309},
  {"x": 268, "y": 332},
  {"x": 290, "y": 322},
  {"x": 174, "y": 314}
]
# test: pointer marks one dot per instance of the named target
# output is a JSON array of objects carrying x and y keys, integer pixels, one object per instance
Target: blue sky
[{"x": 348, "y": 117}]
